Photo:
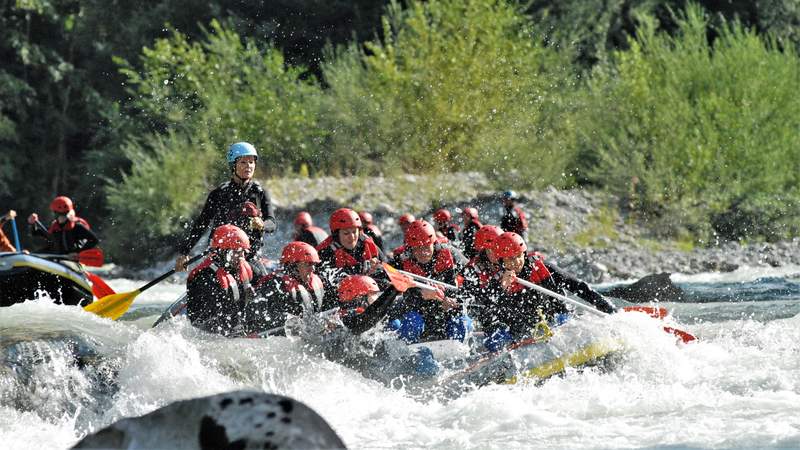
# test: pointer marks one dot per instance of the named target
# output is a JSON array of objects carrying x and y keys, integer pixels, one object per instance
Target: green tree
[
  {"x": 700, "y": 126},
  {"x": 453, "y": 85},
  {"x": 200, "y": 97}
]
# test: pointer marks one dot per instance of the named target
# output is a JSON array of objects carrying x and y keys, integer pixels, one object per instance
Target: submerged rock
[
  {"x": 657, "y": 287},
  {"x": 235, "y": 420}
]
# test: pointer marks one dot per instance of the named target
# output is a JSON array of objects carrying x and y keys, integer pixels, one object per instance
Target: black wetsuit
[
  {"x": 313, "y": 236},
  {"x": 212, "y": 308},
  {"x": 359, "y": 322},
  {"x": 224, "y": 206},
  {"x": 520, "y": 310},
  {"x": 281, "y": 295},
  {"x": 468, "y": 239}
]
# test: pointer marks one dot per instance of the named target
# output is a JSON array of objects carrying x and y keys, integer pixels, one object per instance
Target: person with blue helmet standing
[{"x": 242, "y": 201}]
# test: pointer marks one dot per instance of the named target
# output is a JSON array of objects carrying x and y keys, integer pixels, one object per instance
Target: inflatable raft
[{"x": 29, "y": 277}]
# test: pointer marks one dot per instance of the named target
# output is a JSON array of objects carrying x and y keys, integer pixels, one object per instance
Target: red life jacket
[
  {"x": 226, "y": 280},
  {"x": 343, "y": 258},
  {"x": 538, "y": 272},
  {"x": 484, "y": 275},
  {"x": 442, "y": 261},
  {"x": 299, "y": 292},
  {"x": 56, "y": 227}
]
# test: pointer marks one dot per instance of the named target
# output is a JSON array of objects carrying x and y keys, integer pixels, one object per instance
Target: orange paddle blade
[{"x": 400, "y": 281}]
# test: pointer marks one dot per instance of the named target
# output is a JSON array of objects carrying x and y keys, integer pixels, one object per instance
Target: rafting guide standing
[{"x": 241, "y": 201}]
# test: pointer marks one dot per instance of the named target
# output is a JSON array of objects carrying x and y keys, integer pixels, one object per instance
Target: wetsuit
[
  {"x": 313, "y": 236},
  {"x": 359, "y": 318},
  {"x": 216, "y": 298},
  {"x": 373, "y": 232},
  {"x": 514, "y": 220},
  {"x": 518, "y": 307},
  {"x": 468, "y": 238},
  {"x": 225, "y": 205},
  {"x": 442, "y": 268},
  {"x": 281, "y": 295}
]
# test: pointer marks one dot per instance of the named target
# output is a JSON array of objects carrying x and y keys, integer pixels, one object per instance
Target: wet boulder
[
  {"x": 235, "y": 420},
  {"x": 657, "y": 287}
]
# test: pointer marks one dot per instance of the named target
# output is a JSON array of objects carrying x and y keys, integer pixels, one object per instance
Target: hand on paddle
[
  {"x": 33, "y": 218},
  {"x": 180, "y": 263}
]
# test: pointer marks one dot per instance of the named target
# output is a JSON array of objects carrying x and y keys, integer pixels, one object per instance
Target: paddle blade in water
[
  {"x": 682, "y": 335},
  {"x": 99, "y": 287},
  {"x": 656, "y": 313},
  {"x": 112, "y": 306}
]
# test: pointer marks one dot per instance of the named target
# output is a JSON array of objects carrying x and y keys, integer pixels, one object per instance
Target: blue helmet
[
  {"x": 240, "y": 149},
  {"x": 510, "y": 195}
]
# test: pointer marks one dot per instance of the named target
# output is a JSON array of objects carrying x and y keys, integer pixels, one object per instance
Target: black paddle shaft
[{"x": 162, "y": 277}]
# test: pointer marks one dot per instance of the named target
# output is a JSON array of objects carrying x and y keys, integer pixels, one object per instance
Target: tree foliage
[
  {"x": 701, "y": 126},
  {"x": 687, "y": 111}
]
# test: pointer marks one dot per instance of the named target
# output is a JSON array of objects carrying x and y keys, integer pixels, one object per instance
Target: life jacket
[
  {"x": 226, "y": 280},
  {"x": 311, "y": 301},
  {"x": 534, "y": 271},
  {"x": 69, "y": 225},
  {"x": 364, "y": 250},
  {"x": 484, "y": 275},
  {"x": 442, "y": 261}
]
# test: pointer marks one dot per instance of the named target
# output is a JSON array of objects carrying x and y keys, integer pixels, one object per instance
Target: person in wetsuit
[
  {"x": 514, "y": 311},
  {"x": 219, "y": 288},
  {"x": 241, "y": 201}
]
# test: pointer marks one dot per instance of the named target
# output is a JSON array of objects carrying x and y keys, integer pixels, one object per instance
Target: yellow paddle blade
[{"x": 112, "y": 306}]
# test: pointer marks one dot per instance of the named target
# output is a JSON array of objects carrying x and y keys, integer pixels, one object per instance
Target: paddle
[
  {"x": 92, "y": 257},
  {"x": 683, "y": 335},
  {"x": 16, "y": 235},
  {"x": 115, "y": 305},
  {"x": 426, "y": 279},
  {"x": 656, "y": 313},
  {"x": 402, "y": 281},
  {"x": 99, "y": 287}
]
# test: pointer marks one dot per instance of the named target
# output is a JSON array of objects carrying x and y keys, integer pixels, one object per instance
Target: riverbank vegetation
[{"x": 687, "y": 112}]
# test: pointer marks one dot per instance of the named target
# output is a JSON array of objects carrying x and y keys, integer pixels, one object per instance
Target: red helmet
[
  {"x": 366, "y": 217},
  {"x": 297, "y": 252},
  {"x": 420, "y": 234},
  {"x": 61, "y": 205},
  {"x": 356, "y": 286},
  {"x": 344, "y": 218},
  {"x": 230, "y": 237},
  {"x": 471, "y": 212},
  {"x": 405, "y": 219},
  {"x": 486, "y": 236},
  {"x": 442, "y": 216},
  {"x": 303, "y": 218},
  {"x": 508, "y": 245}
]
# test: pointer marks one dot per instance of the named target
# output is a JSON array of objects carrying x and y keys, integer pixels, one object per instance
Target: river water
[{"x": 66, "y": 373}]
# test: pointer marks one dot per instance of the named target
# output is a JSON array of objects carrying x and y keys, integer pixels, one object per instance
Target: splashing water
[{"x": 66, "y": 373}]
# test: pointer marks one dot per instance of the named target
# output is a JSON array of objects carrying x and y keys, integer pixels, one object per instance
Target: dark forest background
[{"x": 690, "y": 112}]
